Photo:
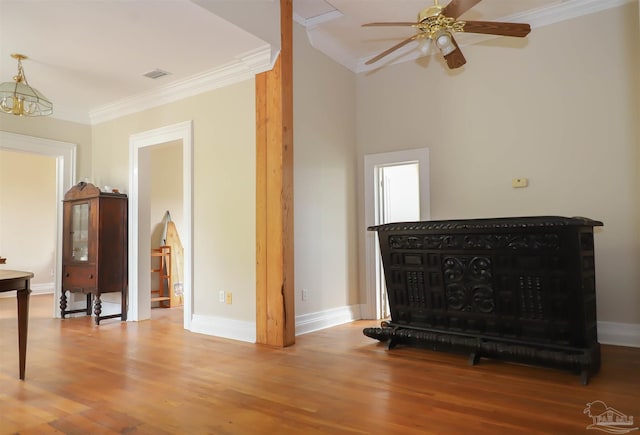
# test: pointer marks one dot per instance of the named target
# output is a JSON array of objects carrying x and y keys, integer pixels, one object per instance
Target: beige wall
[
  {"x": 223, "y": 188},
  {"x": 224, "y": 185},
  {"x": 55, "y": 129},
  {"x": 325, "y": 193},
  {"x": 561, "y": 109},
  {"x": 28, "y": 213}
]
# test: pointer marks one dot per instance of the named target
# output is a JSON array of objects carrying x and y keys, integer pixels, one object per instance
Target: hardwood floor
[{"x": 153, "y": 377}]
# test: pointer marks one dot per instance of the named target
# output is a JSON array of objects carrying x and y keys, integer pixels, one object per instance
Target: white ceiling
[
  {"x": 86, "y": 55},
  {"x": 89, "y": 56}
]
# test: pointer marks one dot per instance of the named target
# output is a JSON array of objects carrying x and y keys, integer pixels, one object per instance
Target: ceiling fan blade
[
  {"x": 455, "y": 59},
  {"x": 497, "y": 28},
  {"x": 391, "y": 50},
  {"x": 400, "y": 23},
  {"x": 458, "y": 7}
]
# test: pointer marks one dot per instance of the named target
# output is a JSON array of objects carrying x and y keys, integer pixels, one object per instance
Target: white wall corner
[
  {"x": 306, "y": 323},
  {"x": 619, "y": 334},
  {"x": 224, "y": 328},
  {"x": 325, "y": 43}
]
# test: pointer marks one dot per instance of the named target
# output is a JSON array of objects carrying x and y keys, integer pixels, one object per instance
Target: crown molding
[
  {"x": 328, "y": 45},
  {"x": 566, "y": 10},
  {"x": 70, "y": 114},
  {"x": 243, "y": 68},
  {"x": 318, "y": 19}
]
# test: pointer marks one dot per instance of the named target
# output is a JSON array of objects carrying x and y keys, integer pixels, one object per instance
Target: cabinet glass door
[{"x": 80, "y": 232}]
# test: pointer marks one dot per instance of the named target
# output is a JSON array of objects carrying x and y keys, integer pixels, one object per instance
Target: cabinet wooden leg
[
  {"x": 63, "y": 304},
  {"x": 97, "y": 309},
  {"x": 124, "y": 305},
  {"x": 474, "y": 358},
  {"x": 391, "y": 344},
  {"x": 88, "y": 304},
  {"x": 584, "y": 377}
]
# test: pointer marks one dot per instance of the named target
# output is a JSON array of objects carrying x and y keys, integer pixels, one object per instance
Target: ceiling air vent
[{"x": 156, "y": 74}]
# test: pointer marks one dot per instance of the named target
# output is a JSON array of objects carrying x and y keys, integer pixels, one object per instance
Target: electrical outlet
[
  {"x": 221, "y": 296},
  {"x": 305, "y": 294},
  {"x": 229, "y": 298},
  {"x": 519, "y": 182}
]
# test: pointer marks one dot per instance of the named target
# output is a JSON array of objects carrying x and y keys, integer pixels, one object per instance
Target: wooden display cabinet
[{"x": 94, "y": 248}]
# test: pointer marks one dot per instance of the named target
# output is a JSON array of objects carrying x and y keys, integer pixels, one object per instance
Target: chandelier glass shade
[{"x": 20, "y": 99}]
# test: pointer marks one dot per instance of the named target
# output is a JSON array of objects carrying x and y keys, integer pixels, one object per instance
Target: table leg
[{"x": 23, "y": 323}]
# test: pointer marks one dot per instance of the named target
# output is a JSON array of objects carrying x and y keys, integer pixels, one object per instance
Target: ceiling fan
[{"x": 438, "y": 24}]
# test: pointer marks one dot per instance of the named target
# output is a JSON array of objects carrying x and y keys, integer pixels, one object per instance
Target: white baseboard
[
  {"x": 246, "y": 331},
  {"x": 614, "y": 333},
  {"x": 619, "y": 334},
  {"x": 43, "y": 289},
  {"x": 36, "y": 289},
  {"x": 311, "y": 322},
  {"x": 224, "y": 328}
]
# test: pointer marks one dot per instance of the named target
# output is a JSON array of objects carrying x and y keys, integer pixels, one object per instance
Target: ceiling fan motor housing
[{"x": 430, "y": 12}]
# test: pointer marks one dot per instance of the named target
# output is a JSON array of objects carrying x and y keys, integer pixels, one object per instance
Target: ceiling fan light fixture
[
  {"x": 20, "y": 99},
  {"x": 444, "y": 42},
  {"x": 425, "y": 44}
]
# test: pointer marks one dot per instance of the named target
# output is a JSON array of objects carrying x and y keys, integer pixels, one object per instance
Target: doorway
[
  {"x": 396, "y": 190},
  {"x": 140, "y": 146},
  {"x": 65, "y": 161},
  {"x": 165, "y": 201},
  {"x": 397, "y": 200}
]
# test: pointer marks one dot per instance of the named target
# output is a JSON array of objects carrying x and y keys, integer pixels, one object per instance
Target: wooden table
[{"x": 19, "y": 281}]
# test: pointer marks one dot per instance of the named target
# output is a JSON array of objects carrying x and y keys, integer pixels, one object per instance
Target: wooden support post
[{"x": 275, "y": 322}]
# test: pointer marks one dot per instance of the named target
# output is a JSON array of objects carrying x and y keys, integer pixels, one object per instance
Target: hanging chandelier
[{"x": 19, "y": 98}]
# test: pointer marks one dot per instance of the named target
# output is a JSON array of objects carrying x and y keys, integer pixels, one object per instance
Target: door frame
[
  {"x": 372, "y": 306},
  {"x": 65, "y": 155},
  {"x": 139, "y": 217}
]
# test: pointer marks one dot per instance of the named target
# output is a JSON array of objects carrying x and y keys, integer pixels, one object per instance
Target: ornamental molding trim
[{"x": 243, "y": 68}]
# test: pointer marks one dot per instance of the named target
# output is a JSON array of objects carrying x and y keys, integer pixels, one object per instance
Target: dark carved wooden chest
[{"x": 519, "y": 289}]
